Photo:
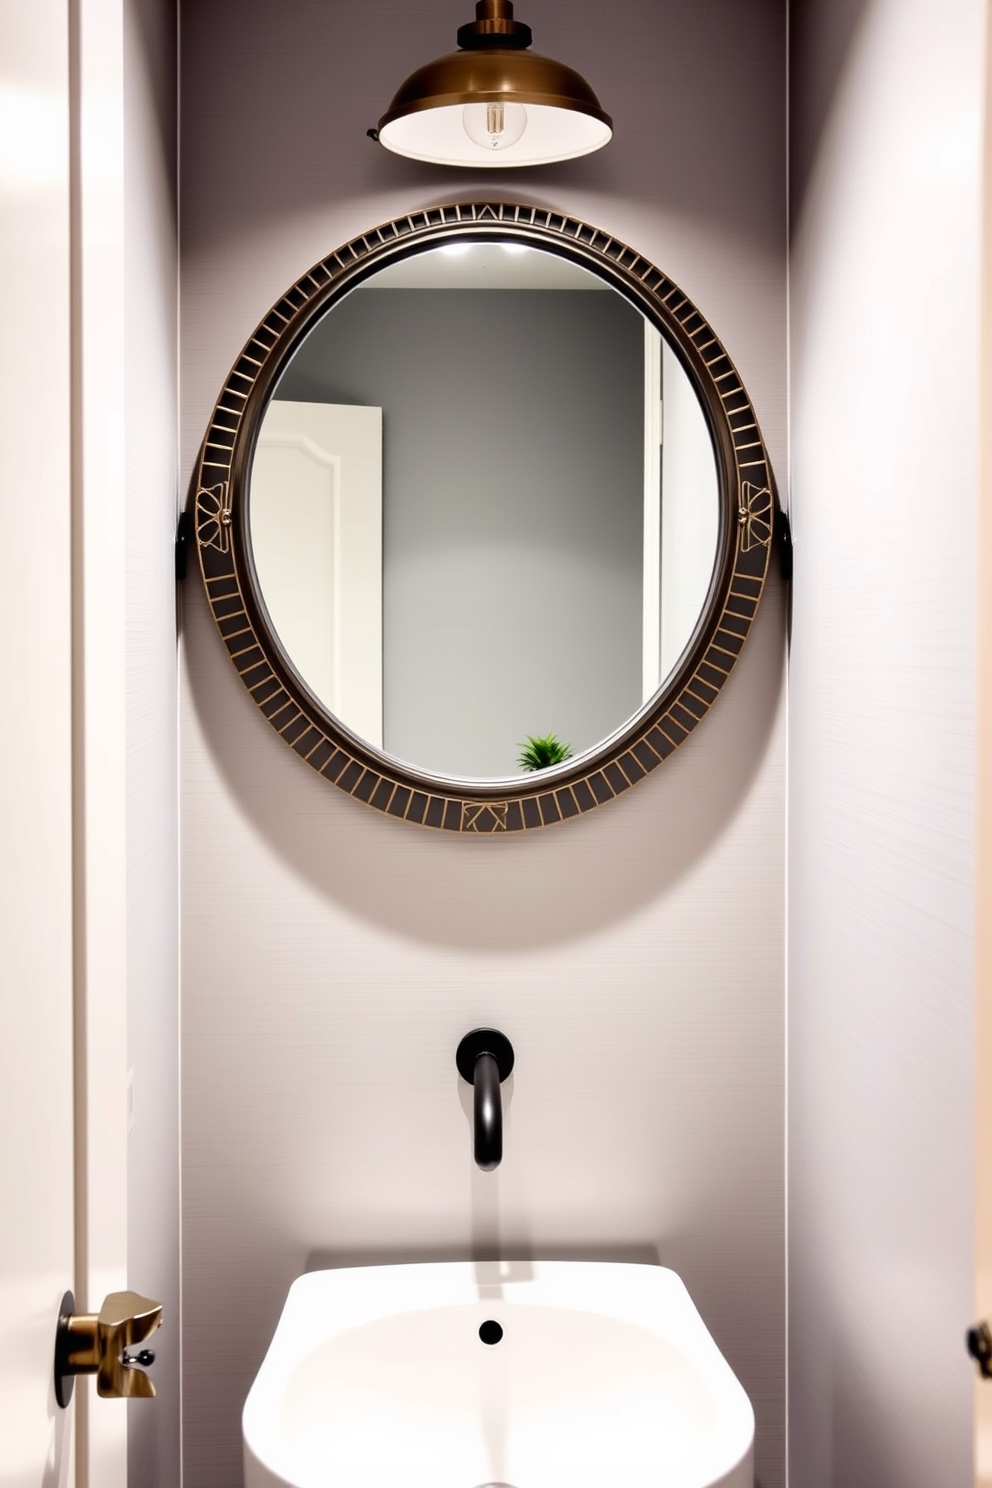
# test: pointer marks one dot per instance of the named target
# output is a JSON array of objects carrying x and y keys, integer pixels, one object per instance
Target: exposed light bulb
[{"x": 494, "y": 126}]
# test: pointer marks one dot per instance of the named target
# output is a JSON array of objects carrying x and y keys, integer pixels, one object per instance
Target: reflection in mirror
[{"x": 483, "y": 507}]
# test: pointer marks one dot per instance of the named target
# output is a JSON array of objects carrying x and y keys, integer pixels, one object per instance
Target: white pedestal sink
[{"x": 604, "y": 1377}]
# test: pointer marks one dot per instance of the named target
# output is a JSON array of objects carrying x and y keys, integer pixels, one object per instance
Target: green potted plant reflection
[{"x": 542, "y": 751}]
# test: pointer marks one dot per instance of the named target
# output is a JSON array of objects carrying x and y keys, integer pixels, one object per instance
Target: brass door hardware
[
  {"x": 98, "y": 1343},
  {"x": 979, "y": 1344}
]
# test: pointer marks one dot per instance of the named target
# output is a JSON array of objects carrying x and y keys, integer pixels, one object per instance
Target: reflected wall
[{"x": 513, "y": 487}]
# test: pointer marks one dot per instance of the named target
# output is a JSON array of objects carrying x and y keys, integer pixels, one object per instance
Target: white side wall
[
  {"x": 331, "y": 958},
  {"x": 886, "y": 194},
  {"x": 150, "y": 331}
]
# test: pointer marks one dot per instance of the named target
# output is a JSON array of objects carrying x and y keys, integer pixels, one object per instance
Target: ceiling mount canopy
[{"x": 494, "y": 102}]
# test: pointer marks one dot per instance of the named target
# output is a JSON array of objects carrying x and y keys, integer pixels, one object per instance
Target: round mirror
[{"x": 484, "y": 516}]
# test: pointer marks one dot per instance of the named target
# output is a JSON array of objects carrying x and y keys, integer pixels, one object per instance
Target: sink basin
[{"x": 598, "y": 1375}]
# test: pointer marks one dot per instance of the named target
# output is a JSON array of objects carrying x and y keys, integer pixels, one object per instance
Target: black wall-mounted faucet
[{"x": 485, "y": 1058}]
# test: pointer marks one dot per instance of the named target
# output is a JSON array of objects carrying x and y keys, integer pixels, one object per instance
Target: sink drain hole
[{"x": 490, "y": 1331}]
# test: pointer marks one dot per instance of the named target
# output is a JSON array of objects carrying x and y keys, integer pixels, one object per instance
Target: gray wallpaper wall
[
  {"x": 882, "y": 739},
  {"x": 513, "y": 456},
  {"x": 332, "y": 960}
]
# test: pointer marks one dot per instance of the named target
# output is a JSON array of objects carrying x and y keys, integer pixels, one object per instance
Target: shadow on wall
[
  {"x": 828, "y": 33},
  {"x": 865, "y": 1445},
  {"x": 517, "y": 1258},
  {"x": 494, "y": 893}
]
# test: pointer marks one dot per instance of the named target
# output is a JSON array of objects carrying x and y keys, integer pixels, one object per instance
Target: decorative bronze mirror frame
[{"x": 747, "y": 511}]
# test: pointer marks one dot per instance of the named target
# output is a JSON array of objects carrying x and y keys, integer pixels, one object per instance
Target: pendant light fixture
[{"x": 494, "y": 102}]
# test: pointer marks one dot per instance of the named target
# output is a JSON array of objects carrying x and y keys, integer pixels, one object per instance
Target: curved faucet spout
[
  {"x": 485, "y": 1058},
  {"x": 488, "y": 1114}
]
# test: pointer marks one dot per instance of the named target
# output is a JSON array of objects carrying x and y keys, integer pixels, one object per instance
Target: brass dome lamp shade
[{"x": 494, "y": 102}]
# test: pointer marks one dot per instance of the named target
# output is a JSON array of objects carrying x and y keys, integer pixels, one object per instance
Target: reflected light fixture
[{"x": 494, "y": 102}]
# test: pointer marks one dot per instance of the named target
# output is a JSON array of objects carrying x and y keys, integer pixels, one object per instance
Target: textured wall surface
[
  {"x": 886, "y": 197},
  {"x": 151, "y": 288},
  {"x": 331, "y": 958}
]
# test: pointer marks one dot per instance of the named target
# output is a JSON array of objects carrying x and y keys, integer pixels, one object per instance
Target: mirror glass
[{"x": 484, "y": 509}]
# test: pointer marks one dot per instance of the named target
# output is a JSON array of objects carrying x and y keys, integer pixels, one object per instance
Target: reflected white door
[
  {"x": 36, "y": 974},
  {"x": 681, "y": 510},
  {"x": 689, "y": 511},
  {"x": 651, "y": 672},
  {"x": 316, "y": 531}
]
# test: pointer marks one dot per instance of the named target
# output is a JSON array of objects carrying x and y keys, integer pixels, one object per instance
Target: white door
[
  {"x": 63, "y": 1134},
  {"x": 316, "y": 533},
  {"x": 983, "y": 834},
  {"x": 36, "y": 908}
]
